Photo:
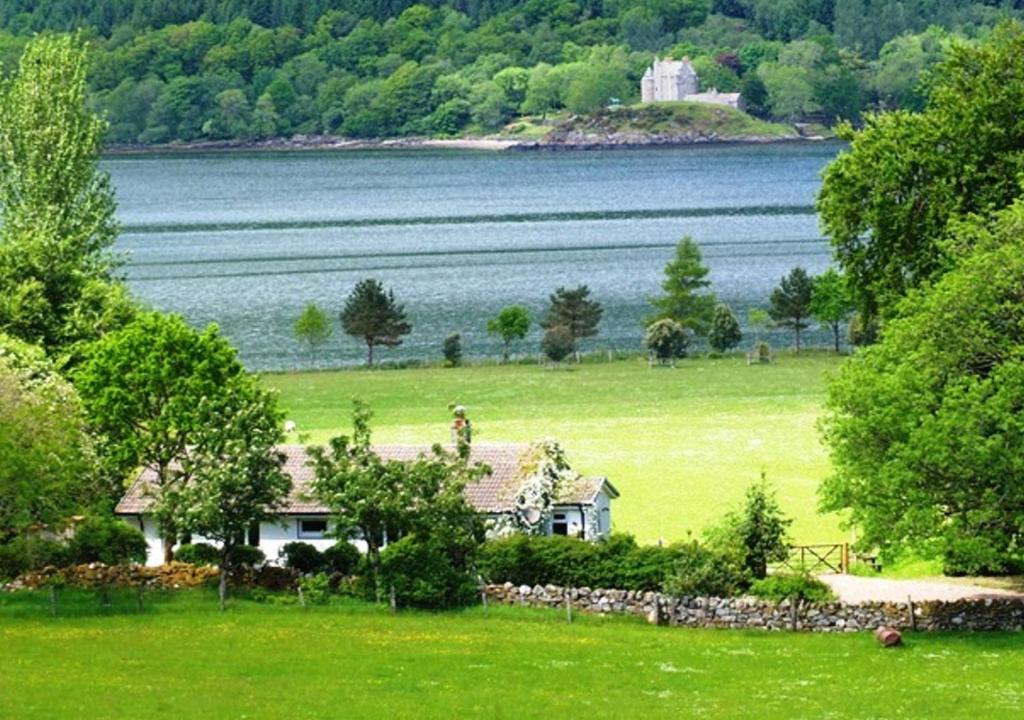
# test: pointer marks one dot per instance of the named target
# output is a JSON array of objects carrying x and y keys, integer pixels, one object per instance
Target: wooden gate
[{"x": 830, "y": 557}]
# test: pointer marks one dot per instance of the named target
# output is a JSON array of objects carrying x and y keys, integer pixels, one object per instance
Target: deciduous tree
[
  {"x": 381, "y": 501},
  {"x": 512, "y": 323},
  {"x": 831, "y": 304},
  {"x": 58, "y": 223},
  {"x": 235, "y": 470},
  {"x": 147, "y": 390},
  {"x": 887, "y": 203},
  {"x": 925, "y": 427},
  {"x": 313, "y": 328},
  {"x": 46, "y": 456}
]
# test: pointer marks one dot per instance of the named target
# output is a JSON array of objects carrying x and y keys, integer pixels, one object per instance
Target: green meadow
[
  {"x": 681, "y": 444},
  {"x": 182, "y": 658}
]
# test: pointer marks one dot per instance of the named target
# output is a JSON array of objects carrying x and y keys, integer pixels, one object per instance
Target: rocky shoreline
[{"x": 555, "y": 142}]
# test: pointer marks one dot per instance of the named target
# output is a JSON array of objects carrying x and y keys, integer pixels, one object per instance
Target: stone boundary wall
[{"x": 753, "y": 613}]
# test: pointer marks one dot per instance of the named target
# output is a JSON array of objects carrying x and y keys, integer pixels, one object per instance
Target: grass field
[
  {"x": 181, "y": 658},
  {"x": 680, "y": 444}
]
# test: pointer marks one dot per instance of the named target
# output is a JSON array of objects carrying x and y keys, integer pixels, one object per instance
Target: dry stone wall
[{"x": 752, "y": 613}]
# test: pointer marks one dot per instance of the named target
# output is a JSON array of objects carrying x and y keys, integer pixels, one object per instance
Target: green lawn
[
  {"x": 681, "y": 444},
  {"x": 181, "y": 658}
]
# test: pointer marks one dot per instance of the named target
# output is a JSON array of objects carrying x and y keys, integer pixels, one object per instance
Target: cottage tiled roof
[{"x": 493, "y": 493}]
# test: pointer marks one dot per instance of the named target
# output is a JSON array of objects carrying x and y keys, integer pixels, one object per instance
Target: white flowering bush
[{"x": 545, "y": 474}]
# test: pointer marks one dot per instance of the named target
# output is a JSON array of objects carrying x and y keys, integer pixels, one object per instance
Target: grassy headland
[
  {"x": 681, "y": 444},
  {"x": 663, "y": 124},
  {"x": 182, "y": 658}
]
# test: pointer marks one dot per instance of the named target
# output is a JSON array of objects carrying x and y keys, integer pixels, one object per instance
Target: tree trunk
[
  {"x": 369, "y": 353},
  {"x": 222, "y": 588},
  {"x": 373, "y": 553},
  {"x": 169, "y": 541},
  {"x": 835, "y": 335},
  {"x": 797, "y": 328},
  {"x": 504, "y": 352}
]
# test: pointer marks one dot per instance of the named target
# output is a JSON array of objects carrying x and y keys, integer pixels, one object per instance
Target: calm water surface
[{"x": 246, "y": 240}]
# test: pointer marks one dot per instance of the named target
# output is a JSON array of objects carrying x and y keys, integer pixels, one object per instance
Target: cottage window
[{"x": 312, "y": 529}]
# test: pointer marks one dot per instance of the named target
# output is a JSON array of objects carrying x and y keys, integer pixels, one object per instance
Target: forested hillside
[{"x": 187, "y": 70}]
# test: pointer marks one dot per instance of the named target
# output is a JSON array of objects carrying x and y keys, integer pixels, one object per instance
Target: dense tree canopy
[
  {"x": 886, "y": 204},
  {"x": 46, "y": 455},
  {"x": 926, "y": 427},
  {"x": 220, "y": 69},
  {"x": 154, "y": 392}
]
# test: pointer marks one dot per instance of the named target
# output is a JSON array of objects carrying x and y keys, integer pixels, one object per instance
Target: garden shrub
[
  {"x": 316, "y": 589},
  {"x": 792, "y": 586},
  {"x": 423, "y": 575},
  {"x": 700, "y": 570},
  {"x": 343, "y": 557},
  {"x": 197, "y": 554},
  {"x": 302, "y": 557},
  {"x": 615, "y": 562},
  {"x": 25, "y": 553},
  {"x": 107, "y": 540},
  {"x": 246, "y": 556}
]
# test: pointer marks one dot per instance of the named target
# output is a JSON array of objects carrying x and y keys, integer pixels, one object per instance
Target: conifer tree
[{"x": 375, "y": 316}]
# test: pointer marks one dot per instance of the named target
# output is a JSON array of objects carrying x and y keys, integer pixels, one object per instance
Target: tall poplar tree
[{"x": 57, "y": 284}]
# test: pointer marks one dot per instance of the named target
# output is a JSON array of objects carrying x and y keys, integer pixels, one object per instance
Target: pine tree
[
  {"x": 573, "y": 310},
  {"x": 375, "y": 316},
  {"x": 791, "y": 302}
]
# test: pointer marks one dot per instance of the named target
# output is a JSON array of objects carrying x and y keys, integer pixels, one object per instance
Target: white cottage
[{"x": 578, "y": 505}]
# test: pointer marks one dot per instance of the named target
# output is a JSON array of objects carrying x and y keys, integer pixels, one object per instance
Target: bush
[
  {"x": 302, "y": 557},
  {"x": 107, "y": 540},
  {"x": 246, "y": 556},
  {"x": 615, "y": 562},
  {"x": 700, "y": 570},
  {"x": 423, "y": 575},
  {"x": 197, "y": 554},
  {"x": 452, "y": 349},
  {"x": 792, "y": 586},
  {"x": 667, "y": 339},
  {"x": 558, "y": 343},
  {"x": 25, "y": 553},
  {"x": 316, "y": 589},
  {"x": 725, "y": 331},
  {"x": 342, "y": 558}
]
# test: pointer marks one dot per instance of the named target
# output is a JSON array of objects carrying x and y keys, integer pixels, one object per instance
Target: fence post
[
  {"x": 845, "y": 565},
  {"x": 568, "y": 606}
]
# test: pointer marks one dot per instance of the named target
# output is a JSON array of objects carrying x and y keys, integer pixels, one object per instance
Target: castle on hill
[{"x": 672, "y": 80}]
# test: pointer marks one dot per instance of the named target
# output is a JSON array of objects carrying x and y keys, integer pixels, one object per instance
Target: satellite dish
[{"x": 532, "y": 516}]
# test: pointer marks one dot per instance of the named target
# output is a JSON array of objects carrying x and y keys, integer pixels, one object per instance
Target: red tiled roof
[{"x": 493, "y": 493}]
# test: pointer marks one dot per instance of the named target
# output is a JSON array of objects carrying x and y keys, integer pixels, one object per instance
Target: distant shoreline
[{"x": 492, "y": 144}]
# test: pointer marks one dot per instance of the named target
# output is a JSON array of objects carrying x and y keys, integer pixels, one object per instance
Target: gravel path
[{"x": 855, "y": 589}]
